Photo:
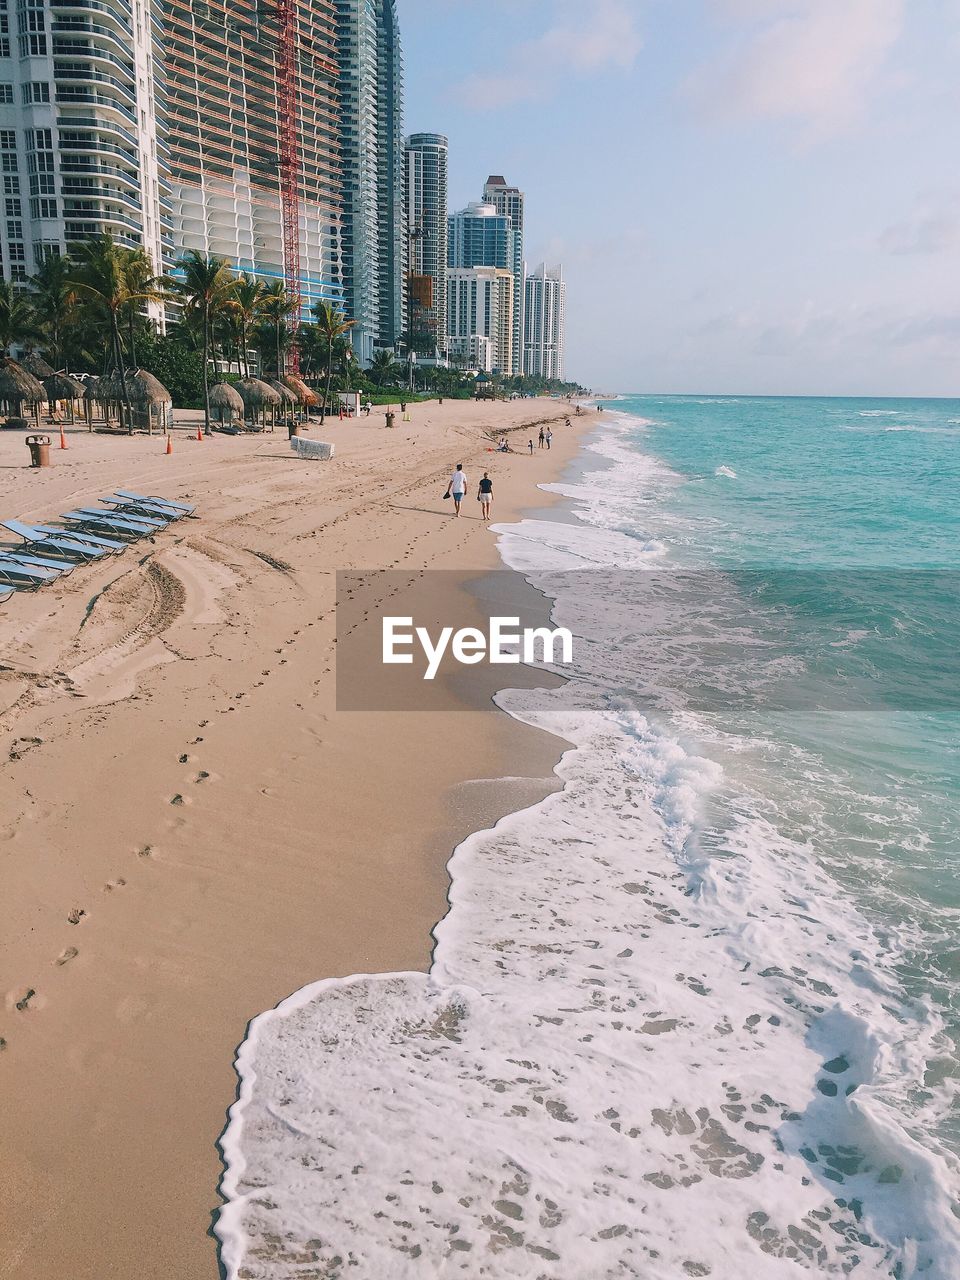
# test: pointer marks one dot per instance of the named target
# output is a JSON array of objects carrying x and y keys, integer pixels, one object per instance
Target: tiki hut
[
  {"x": 110, "y": 394},
  {"x": 226, "y": 401},
  {"x": 17, "y": 388},
  {"x": 258, "y": 397},
  {"x": 60, "y": 386},
  {"x": 289, "y": 400},
  {"x": 151, "y": 400},
  {"x": 91, "y": 393},
  {"x": 307, "y": 397},
  {"x": 35, "y": 364}
]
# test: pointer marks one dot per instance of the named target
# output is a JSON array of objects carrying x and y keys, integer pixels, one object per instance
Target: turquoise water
[{"x": 848, "y": 511}]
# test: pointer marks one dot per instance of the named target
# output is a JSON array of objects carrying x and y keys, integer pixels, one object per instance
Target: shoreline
[{"x": 101, "y": 1156}]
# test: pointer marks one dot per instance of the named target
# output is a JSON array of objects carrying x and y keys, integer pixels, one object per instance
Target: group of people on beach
[
  {"x": 457, "y": 487},
  {"x": 457, "y": 490}
]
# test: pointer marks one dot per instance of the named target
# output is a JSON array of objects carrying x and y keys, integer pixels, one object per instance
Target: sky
[{"x": 747, "y": 196}]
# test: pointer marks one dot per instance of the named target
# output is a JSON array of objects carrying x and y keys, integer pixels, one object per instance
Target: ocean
[{"x": 697, "y": 1013}]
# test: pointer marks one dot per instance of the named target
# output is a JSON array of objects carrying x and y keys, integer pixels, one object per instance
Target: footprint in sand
[
  {"x": 114, "y": 884},
  {"x": 145, "y": 851},
  {"x": 202, "y": 776},
  {"x": 76, "y": 915},
  {"x": 178, "y": 799},
  {"x": 65, "y": 957},
  {"x": 23, "y": 1003}
]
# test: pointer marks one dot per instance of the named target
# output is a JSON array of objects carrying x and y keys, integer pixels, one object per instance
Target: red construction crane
[{"x": 290, "y": 165}]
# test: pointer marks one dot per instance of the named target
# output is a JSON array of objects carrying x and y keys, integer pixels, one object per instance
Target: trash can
[
  {"x": 390, "y": 418},
  {"x": 293, "y": 428},
  {"x": 39, "y": 447}
]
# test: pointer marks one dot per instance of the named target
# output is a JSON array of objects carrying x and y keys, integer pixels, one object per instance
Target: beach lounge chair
[
  {"x": 153, "y": 497},
  {"x": 116, "y": 525},
  {"x": 78, "y": 535},
  {"x": 147, "y": 507},
  {"x": 5, "y": 596},
  {"x": 27, "y": 558},
  {"x": 151, "y": 522},
  {"x": 57, "y": 543},
  {"x": 26, "y": 579}
]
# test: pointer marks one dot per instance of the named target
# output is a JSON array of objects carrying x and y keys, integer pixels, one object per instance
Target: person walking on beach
[
  {"x": 457, "y": 488},
  {"x": 542, "y": 437},
  {"x": 485, "y": 496},
  {"x": 530, "y": 447},
  {"x": 549, "y": 438}
]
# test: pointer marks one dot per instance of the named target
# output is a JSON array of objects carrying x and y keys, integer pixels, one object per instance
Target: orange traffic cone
[
  {"x": 63, "y": 438},
  {"x": 199, "y": 432},
  {"x": 169, "y": 444}
]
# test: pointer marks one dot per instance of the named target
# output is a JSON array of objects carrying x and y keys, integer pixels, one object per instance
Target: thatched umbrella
[
  {"x": 17, "y": 388},
  {"x": 110, "y": 393},
  {"x": 257, "y": 397},
  {"x": 149, "y": 397},
  {"x": 35, "y": 364},
  {"x": 226, "y": 400},
  {"x": 304, "y": 394},
  {"x": 60, "y": 386},
  {"x": 91, "y": 392}
]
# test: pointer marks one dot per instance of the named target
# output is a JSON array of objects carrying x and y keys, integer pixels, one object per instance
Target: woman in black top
[{"x": 485, "y": 496}]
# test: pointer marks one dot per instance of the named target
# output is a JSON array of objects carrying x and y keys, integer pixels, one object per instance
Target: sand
[{"x": 189, "y": 830}]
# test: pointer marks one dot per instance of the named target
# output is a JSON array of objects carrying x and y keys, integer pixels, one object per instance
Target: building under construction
[{"x": 253, "y": 133}]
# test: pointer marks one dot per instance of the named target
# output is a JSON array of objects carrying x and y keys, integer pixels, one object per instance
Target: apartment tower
[
  {"x": 543, "y": 343},
  {"x": 426, "y": 223},
  {"x": 231, "y": 180},
  {"x": 480, "y": 317},
  {"x": 372, "y": 158},
  {"x": 508, "y": 202},
  {"x": 81, "y": 134}
]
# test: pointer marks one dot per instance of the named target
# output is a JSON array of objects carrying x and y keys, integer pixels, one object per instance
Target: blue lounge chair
[
  {"x": 59, "y": 543},
  {"x": 19, "y": 575},
  {"x": 5, "y": 596},
  {"x": 152, "y": 522},
  {"x": 115, "y": 525},
  {"x": 147, "y": 507},
  {"x": 163, "y": 502},
  {"x": 26, "y": 557},
  {"x": 102, "y": 544}
]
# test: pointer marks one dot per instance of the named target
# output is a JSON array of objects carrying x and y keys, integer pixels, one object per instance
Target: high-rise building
[
  {"x": 426, "y": 217},
  {"x": 480, "y": 317},
  {"x": 508, "y": 202},
  {"x": 81, "y": 145},
  {"x": 372, "y": 159},
  {"x": 543, "y": 340},
  {"x": 480, "y": 237},
  {"x": 226, "y": 132}
]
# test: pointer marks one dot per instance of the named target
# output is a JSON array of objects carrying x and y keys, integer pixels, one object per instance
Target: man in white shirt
[{"x": 457, "y": 488}]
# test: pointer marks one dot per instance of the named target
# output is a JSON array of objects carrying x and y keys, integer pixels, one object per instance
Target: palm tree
[
  {"x": 54, "y": 302},
  {"x": 144, "y": 285},
  {"x": 247, "y": 307},
  {"x": 383, "y": 368},
  {"x": 206, "y": 286},
  {"x": 17, "y": 319},
  {"x": 332, "y": 325},
  {"x": 102, "y": 276},
  {"x": 278, "y": 306}
]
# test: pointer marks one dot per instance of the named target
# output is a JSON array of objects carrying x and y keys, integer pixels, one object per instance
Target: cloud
[
  {"x": 588, "y": 38},
  {"x": 813, "y": 62},
  {"x": 934, "y": 228}
]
